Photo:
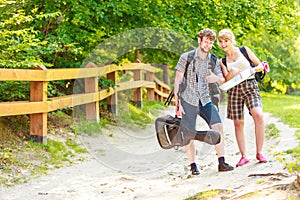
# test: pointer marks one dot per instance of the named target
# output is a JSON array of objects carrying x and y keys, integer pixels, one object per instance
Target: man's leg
[
  {"x": 189, "y": 120},
  {"x": 212, "y": 118},
  {"x": 191, "y": 154},
  {"x": 219, "y": 147}
]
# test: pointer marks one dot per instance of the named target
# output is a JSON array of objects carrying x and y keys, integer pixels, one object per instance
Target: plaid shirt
[{"x": 197, "y": 71}]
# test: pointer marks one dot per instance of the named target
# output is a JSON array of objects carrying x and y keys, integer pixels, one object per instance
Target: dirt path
[{"x": 127, "y": 164}]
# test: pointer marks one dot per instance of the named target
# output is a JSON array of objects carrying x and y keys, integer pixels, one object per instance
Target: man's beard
[{"x": 203, "y": 50}]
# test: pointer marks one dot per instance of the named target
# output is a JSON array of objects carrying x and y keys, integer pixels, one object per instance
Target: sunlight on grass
[
  {"x": 272, "y": 131},
  {"x": 285, "y": 107},
  {"x": 140, "y": 116},
  {"x": 209, "y": 194}
]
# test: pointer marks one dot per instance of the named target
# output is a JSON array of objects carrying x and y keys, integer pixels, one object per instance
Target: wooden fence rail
[{"x": 39, "y": 104}]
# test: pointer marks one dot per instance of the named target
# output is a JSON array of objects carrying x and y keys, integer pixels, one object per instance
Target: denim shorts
[{"x": 208, "y": 112}]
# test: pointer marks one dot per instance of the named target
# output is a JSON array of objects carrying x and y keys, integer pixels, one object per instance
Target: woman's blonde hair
[{"x": 227, "y": 34}]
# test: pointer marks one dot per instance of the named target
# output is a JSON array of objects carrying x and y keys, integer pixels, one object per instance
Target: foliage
[
  {"x": 105, "y": 83},
  {"x": 14, "y": 91},
  {"x": 63, "y": 34}
]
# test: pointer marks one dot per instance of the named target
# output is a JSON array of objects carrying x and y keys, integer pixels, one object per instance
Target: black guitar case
[{"x": 171, "y": 133}]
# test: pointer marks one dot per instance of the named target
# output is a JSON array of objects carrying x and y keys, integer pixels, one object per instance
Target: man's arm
[
  {"x": 178, "y": 80},
  {"x": 221, "y": 79},
  {"x": 216, "y": 78}
]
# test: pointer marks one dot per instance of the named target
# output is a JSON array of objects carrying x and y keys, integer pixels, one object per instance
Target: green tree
[{"x": 64, "y": 33}]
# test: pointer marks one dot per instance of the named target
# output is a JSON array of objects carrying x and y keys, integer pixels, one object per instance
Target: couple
[{"x": 195, "y": 100}]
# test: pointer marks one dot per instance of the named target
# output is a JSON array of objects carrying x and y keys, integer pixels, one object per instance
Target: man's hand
[
  {"x": 179, "y": 109},
  {"x": 212, "y": 78}
]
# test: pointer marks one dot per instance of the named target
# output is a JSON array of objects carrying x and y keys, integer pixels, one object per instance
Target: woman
[{"x": 246, "y": 92}]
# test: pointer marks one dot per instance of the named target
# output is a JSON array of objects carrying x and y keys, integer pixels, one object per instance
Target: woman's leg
[
  {"x": 259, "y": 123},
  {"x": 240, "y": 136},
  {"x": 241, "y": 141}
]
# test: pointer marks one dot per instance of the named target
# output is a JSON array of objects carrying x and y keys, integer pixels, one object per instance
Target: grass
[
  {"x": 139, "y": 116},
  {"x": 209, "y": 194},
  {"x": 30, "y": 159},
  {"x": 287, "y": 109},
  {"x": 128, "y": 116},
  {"x": 21, "y": 159},
  {"x": 272, "y": 131}
]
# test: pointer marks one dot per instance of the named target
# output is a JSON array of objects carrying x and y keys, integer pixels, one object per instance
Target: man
[{"x": 195, "y": 100}]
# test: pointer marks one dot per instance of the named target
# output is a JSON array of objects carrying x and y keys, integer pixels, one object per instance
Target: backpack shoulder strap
[
  {"x": 213, "y": 57},
  {"x": 213, "y": 60},
  {"x": 224, "y": 61},
  {"x": 190, "y": 58},
  {"x": 244, "y": 52}
]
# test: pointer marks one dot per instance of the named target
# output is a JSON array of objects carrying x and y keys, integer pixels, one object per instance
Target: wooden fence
[{"x": 39, "y": 104}]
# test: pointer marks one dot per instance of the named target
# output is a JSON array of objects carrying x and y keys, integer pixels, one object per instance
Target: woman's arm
[
  {"x": 259, "y": 67},
  {"x": 228, "y": 74}
]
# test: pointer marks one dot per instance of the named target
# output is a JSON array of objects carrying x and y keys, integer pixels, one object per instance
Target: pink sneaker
[
  {"x": 242, "y": 161},
  {"x": 261, "y": 158}
]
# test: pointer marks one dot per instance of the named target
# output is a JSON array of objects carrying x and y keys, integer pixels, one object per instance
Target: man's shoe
[
  {"x": 242, "y": 161},
  {"x": 223, "y": 167},
  {"x": 195, "y": 170}
]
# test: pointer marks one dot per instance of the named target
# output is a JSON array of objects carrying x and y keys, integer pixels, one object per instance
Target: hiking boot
[
  {"x": 242, "y": 161},
  {"x": 261, "y": 158},
  {"x": 195, "y": 170},
  {"x": 223, "y": 167}
]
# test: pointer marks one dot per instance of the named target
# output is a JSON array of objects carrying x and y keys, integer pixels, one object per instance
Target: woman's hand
[
  {"x": 259, "y": 67},
  {"x": 232, "y": 72}
]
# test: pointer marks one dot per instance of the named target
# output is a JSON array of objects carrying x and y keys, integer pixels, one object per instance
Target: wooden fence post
[
  {"x": 112, "y": 100},
  {"x": 91, "y": 85},
  {"x": 38, "y": 121},
  {"x": 137, "y": 99},
  {"x": 150, "y": 91}
]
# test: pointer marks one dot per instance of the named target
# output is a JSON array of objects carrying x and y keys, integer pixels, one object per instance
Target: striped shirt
[{"x": 197, "y": 71}]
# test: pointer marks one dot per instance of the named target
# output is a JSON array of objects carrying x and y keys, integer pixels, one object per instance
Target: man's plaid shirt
[{"x": 197, "y": 86}]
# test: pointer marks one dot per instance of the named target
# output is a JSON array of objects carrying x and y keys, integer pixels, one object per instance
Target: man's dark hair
[{"x": 207, "y": 33}]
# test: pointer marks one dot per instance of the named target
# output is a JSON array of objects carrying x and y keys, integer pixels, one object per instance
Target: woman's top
[{"x": 241, "y": 63}]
